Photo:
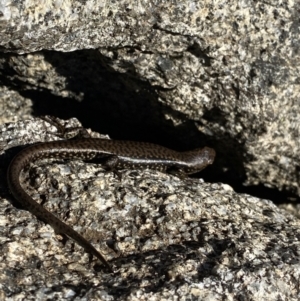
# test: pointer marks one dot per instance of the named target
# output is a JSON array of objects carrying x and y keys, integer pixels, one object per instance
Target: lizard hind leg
[{"x": 111, "y": 164}]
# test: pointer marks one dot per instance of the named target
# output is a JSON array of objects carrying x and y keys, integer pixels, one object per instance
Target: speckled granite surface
[
  {"x": 221, "y": 74},
  {"x": 230, "y": 68},
  {"x": 166, "y": 236}
]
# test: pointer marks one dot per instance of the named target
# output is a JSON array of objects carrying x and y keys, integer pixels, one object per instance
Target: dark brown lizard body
[{"x": 115, "y": 155}]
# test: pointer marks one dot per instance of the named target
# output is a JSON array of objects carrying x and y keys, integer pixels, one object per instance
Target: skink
[{"x": 114, "y": 155}]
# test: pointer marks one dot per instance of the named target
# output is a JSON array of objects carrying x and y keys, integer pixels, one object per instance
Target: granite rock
[
  {"x": 186, "y": 73},
  {"x": 226, "y": 73},
  {"x": 167, "y": 237}
]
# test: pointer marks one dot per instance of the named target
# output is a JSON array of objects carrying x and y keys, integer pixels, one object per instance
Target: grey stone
[
  {"x": 228, "y": 72},
  {"x": 168, "y": 237},
  {"x": 221, "y": 74}
]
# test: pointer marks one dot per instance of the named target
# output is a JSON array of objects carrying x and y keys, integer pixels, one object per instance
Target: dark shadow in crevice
[
  {"x": 125, "y": 107},
  {"x": 113, "y": 103},
  {"x": 276, "y": 196}
]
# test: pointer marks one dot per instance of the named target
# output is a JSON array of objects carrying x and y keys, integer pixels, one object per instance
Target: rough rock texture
[
  {"x": 227, "y": 73},
  {"x": 13, "y": 106},
  {"x": 184, "y": 74},
  {"x": 169, "y": 238}
]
